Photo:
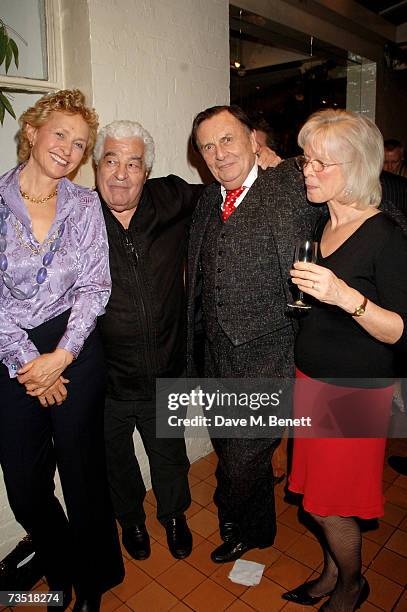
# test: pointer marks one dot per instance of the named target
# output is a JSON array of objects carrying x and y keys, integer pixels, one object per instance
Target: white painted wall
[{"x": 158, "y": 62}]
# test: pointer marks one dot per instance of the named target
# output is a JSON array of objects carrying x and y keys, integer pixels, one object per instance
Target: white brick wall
[{"x": 155, "y": 61}]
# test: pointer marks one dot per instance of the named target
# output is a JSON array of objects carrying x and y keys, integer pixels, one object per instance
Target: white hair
[
  {"x": 125, "y": 129},
  {"x": 345, "y": 136}
]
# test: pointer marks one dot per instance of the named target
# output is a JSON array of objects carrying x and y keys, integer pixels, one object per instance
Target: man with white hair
[{"x": 143, "y": 329}]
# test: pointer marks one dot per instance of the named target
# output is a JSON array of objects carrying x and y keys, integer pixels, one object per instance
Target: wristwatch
[{"x": 360, "y": 309}]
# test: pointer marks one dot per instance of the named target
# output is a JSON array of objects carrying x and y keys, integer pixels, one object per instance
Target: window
[{"x": 39, "y": 72}]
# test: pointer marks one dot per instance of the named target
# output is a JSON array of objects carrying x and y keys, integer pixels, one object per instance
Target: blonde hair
[
  {"x": 71, "y": 101},
  {"x": 344, "y": 136}
]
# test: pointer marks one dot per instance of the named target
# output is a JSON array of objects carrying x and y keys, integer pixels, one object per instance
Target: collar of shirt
[{"x": 251, "y": 177}]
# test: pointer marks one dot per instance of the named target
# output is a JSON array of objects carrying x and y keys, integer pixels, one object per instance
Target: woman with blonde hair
[
  {"x": 344, "y": 351},
  {"x": 54, "y": 283}
]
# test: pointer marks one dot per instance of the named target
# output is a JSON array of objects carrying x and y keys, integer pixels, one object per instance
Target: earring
[
  {"x": 31, "y": 144},
  {"x": 347, "y": 192}
]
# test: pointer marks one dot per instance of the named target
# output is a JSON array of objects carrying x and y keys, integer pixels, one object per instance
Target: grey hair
[
  {"x": 346, "y": 136},
  {"x": 125, "y": 129}
]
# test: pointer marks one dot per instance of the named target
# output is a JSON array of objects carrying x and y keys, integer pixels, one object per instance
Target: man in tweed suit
[{"x": 241, "y": 249}]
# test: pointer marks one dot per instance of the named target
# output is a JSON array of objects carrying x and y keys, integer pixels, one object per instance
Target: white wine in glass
[{"x": 306, "y": 251}]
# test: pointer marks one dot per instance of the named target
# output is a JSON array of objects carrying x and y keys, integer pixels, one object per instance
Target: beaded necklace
[{"x": 54, "y": 244}]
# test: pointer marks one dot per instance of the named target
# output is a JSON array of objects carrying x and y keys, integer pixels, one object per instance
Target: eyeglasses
[{"x": 317, "y": 165}]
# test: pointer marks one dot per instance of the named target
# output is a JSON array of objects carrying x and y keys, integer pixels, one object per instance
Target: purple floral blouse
[{"x": 78, "y": 277}]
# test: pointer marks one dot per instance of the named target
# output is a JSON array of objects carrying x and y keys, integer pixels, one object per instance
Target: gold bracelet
[{"x": 360, "y": 310}]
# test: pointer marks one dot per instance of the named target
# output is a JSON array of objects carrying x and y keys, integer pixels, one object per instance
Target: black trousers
[
  {"x": 83, "y": 550},
  {"x": 168, "y": 460}
]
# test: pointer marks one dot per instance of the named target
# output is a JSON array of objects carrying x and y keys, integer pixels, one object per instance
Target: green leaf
[
  {"x": 3, "y": 46},
  {"x": 9, "y": 57},
  {"x": 14, "y": 49},
  {"x": 7, "y": 105},
  {"x": 1, "y": 113}
]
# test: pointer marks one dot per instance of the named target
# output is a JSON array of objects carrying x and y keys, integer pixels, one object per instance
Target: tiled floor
[{"x": 162, "y": 583}]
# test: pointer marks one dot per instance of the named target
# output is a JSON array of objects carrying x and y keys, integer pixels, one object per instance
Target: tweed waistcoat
[{"x": 242, "y": 283}]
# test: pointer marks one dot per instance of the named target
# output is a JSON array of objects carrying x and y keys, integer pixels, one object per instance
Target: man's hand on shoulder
[{"x": 267, "y": 158}]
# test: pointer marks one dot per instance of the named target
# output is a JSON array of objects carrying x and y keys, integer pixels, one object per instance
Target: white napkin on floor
[{"x": 245, "y": 572}]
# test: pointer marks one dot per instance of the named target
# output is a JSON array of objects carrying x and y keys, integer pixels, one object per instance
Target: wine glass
[{"x": 306, "y": 251}]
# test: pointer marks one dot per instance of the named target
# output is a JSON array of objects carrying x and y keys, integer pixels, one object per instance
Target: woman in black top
[{"x": 345, "y": 347}]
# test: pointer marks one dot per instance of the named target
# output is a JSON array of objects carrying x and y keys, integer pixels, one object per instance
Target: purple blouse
[{"x": 78, "y": 277}]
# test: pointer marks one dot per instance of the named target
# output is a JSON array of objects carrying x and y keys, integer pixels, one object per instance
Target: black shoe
[
  {"x": 363, "y": 595},
  {"x": 179, "y": 537},
  {"x": 300, "y": 595},
  {"x": 230, "y": 551},
  {"x": 399, "y": 464},
  {"x": 137, "y": 542},
  {"x": 229, "y": 531},
  {"x": 87, "y": 604}
]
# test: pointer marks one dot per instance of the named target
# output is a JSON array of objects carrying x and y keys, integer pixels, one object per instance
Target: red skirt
[{"x": 338, "y": 476}]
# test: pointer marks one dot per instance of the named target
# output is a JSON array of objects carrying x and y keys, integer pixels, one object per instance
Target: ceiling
[{"x": 394, "y": 11}]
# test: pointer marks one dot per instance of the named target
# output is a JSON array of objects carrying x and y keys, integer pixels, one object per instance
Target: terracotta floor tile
[
  {"x": 267, "y": 556},
  {"x": 401, "y": 481},
  {"x": 265, "y": 597},
  {"x": 280, "y": 505},
  {"x": 285, "y": 537},
  {"x": 134, "y": 580},
  {"x": 159, "y": 561},
  {"x": 122, "y": 608},
  {"x": 239, "y": 606},
  {"x": 403, "y": 524},
  {"x": 201, "y": 469},
  {"x": 393, "y": 514},
  {"x": 150, "y": 497},
  {"x": 220, "y": 576},
  {"x": 212, "y": 480},
  {"x": 154, "y": 598},
  {"x": 200, "y": 558},
  {"x": 401, "y": 605},
  {"x": 193, "y": 509},
  {"x": 209, "y": 596},
  {"x": 154, "y": 527},
  {"x": 180, "y": 607},
  {"x": 149, "y": 508},
  {"x": 381, "y": 534},
  {"x": 180, "y": 579},
  {"x": 215, "y": 538},
  {"x": 397, "y": 495},
  {"x": 204, "y": 522},
  {"x": 212, "y": 507},
  {"x": 202, "y": 493},
  {"x": 280, "y": 489},
  {"x": 193, "y": 480},
  {"x": 369, "y": 551},
  {"x": 398, "y": 542},
  {"x": 391, "y": 565},
  {"x": 110, "y": 602},
  {"x": 306, "y": 551},
  {"x": 288, "y": 572},
  {"x": 383, "y": 592},
  {"x": 212, "y": 458},
  {"x": 389, "y": 475},
  {"x": 290, "y": 518}
]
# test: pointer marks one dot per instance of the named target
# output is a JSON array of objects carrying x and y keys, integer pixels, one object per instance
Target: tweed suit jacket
[{"x": 278, "y": 206}]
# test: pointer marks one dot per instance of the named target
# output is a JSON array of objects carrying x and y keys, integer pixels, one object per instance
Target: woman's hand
[
  {"x": 267, "y": 158},
  {"x": 55, "y": 394},
  {"x": 323, "y": 285},
  {"x": 39, "y": 374}
]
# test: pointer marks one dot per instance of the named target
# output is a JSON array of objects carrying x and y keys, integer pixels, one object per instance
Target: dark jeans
[
  {"x": 83, "y": 550},
  {"x": 168, "y": 460}
]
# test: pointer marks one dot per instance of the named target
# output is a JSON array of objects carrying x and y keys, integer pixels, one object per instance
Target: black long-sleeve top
[{"x": 331, "y": 344}]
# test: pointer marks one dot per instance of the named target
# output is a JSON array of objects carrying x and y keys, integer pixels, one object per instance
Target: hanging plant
[{"x": 8, "y": 52}]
